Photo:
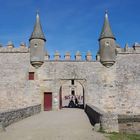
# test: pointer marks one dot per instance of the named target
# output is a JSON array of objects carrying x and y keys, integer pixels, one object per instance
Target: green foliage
[{"x": 123, "y": 136}]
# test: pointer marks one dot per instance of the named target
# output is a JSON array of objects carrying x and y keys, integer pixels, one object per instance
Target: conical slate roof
[
  {"x": 106, "y": 30},
  {"x": 37, "y": 32}
]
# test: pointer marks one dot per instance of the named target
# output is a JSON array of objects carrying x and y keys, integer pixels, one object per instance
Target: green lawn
[{"x": 119, "y": 136}]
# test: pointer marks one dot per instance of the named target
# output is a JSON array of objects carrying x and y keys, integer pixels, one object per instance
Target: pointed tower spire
[
  {"x": 107, "y": 44},
  {"x": 37, "y": 32},
  {"x": 37, "y": 45},
  {"x": 106, "y": 30}
]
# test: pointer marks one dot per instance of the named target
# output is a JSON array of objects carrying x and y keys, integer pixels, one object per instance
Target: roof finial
[
  {"x": 37, "y": 11},
  {"x": 37, "y": 14},
  {"x": 106, "y": 13}
]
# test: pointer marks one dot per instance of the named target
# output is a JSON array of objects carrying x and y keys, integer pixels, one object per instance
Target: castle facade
[{"x": 111, "y": 82}]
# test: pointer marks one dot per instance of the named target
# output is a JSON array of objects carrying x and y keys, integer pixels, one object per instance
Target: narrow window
[
  {"x": 31, "y": 75},
  {"x": 107, "y": 43},
  {"x": 73, "y": 92},
  {"x": 72, "y": 82},
  {"x": 36, "y": 45}
]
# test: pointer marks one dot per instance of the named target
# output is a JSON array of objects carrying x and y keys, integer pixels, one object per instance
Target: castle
[{"x": 111, "y": 82}]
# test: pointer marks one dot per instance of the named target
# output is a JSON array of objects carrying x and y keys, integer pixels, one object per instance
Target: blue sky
[{"x": 69, "y": 25}]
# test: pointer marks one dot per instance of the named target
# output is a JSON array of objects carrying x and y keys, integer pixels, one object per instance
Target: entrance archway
[{"x": 71, "y": 94}]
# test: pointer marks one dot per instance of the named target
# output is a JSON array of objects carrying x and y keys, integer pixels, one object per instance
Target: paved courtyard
[{"x": 67, "y": 124}]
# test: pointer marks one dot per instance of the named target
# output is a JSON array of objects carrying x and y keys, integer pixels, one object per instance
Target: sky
[{"x": 69, "y": 25}]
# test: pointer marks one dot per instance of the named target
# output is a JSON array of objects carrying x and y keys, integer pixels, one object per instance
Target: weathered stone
[
  {"x": 113, "y": 90},
  {"x": 107, "y": 122},
  {"x": 97, "y": 127},
  {"x": 2, "y": 128},
  {"x": 9, "y": 117}
]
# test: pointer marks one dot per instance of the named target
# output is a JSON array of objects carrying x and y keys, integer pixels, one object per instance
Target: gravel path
[{"x": 67, "y": 124}]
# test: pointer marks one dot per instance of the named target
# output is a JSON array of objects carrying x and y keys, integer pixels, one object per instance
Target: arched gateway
[{"x": 71, "y": 94}]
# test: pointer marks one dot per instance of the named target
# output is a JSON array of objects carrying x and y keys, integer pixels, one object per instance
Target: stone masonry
[
  {"x": 112, "y": 84},
  {"x": 114, "y": 89}
]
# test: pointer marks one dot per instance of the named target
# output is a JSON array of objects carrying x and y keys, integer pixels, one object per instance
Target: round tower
[
  {"x": 37, "y": 44},
  {"x": 107, "y": 44}
]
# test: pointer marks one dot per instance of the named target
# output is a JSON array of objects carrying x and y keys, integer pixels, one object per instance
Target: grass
[{"x": 124, "y": 136}]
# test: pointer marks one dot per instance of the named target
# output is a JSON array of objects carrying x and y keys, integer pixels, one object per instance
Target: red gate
[{"x": 47, "y": 101}]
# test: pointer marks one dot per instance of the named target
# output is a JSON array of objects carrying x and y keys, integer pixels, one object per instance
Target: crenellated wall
[
  {"x": 67, "y": 57},
  {"x": 114, "y": 89},
  {"x": 129, "y": 50}
]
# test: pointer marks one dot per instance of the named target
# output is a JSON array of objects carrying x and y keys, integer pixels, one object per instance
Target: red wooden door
[{"x": 47, "y": 101}]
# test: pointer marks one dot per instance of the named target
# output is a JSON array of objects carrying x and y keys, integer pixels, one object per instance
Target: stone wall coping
[
  {"x": 71, "y": 61},
  {"x": 9, "y": 117},
  {"x": 101, "y": 112},
  {"x": 129, "y": 116},
  {"x": 122, "y": 118},
  {"x": 128, "y": 53},
  {"x": 96, "y": 109},
  {"x": 14, "y": 50},
  {"x": 108, "y": 121},
  {"x": 14, "y": 110}
]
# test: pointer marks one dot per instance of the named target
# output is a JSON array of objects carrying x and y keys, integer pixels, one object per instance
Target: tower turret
[
  {"x": 107, "y": 44},
  {"x": 37, "y": 43}
]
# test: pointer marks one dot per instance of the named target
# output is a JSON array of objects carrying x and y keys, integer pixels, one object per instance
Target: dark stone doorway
[{"x": 71, "y": 95}]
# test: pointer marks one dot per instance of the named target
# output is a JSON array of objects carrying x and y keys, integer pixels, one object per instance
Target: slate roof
[
  {"x": 106, "y": 30},
  {"x": 37, "y": 32}
]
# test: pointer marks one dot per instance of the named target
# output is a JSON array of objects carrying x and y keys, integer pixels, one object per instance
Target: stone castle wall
[
  {"x": 101, "y": 84},
  {"x": 128, "y": 79},
  {"x": 15, "y": 89},
  {"x": 114, "y": 89}
]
